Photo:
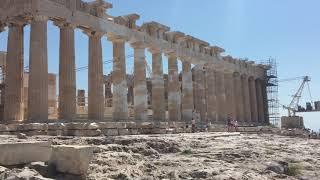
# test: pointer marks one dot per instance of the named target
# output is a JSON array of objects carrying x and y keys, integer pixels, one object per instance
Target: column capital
[
  {"x": 138, "y": 45},
  {"x": 18, "y": 21},
  {"x": 92, "y": 33},
  {"x": 64, "y": 24},
  {"x": 244, "y": 76},
  {"x": 38, "y": 18},
  {"x": 171, "y": 54},
  {"x": 116, "y": 38},
  {"x": 236, "y": 74},
  {"x": 155, "y": 50}
]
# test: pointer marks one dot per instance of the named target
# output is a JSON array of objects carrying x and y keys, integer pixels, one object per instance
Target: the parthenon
[{"x": 216, "y": 86}]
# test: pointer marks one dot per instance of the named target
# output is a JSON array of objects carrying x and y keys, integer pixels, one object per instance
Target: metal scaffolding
[{"x": 272, "y": 92}]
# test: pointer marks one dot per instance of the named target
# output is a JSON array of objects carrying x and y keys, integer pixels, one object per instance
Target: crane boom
[{"x": 293, "y": 106}]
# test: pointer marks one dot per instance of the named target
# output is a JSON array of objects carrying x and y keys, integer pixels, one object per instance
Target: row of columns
[
  {"x": 219, "y": 94},
  {"x": 229, "y": 95}
]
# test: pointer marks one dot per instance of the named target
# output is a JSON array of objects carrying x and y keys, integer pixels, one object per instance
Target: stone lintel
[
  {"x": 155, "y": 25},
  {"x": 173, "y": 36}
]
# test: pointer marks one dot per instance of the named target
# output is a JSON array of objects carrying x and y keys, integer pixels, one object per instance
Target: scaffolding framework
[{"x": 272, "y": 84}]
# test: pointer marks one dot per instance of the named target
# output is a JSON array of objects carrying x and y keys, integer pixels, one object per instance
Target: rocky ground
[{"x": 194, "y": 156}]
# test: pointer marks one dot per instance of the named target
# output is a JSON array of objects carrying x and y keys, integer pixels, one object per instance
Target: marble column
[
  {"x": 253, "y": 100},
  {"x": 211, "y": 94},
  {"x": 67, "y": 75},
  {"x": 246, "y": 98},
  {"x": 174, "y": 93},
  {"x": 238, "y": 94},
  {"x": 221, "y": 97},
  {"x": 95, "y": 90},
  {"x": 260, "y": 100},
  {"x": 119, "y": 80},
  {"x": 265, "y": 102},
  {"x": 187, "y": 92},
  {"x": 158, "y": 100},
  {"x": 13, "y": 108},
  {"x": 231, "y": 99},
  {"x": 201, "y": 94},
  {"x": 140, "y": 83},
  {"x": 38, "y": 71}
]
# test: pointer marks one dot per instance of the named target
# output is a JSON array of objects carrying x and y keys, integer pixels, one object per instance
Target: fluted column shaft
[
  {"x": 260, "y": 100},
  {"x": 140, "y": 83},
  {"x": 221, "y": 97},
  {"x": 38, "y": 75},
  {"x": 119, "y": 79},
  {"x": 201, "y": 94},
  {"x": 174, "y": 93},
  {"x": 67, "y": 74},
  {"x": 13, "y": 108},
  {"x": 230, "y": 89},
  {"x": 238, "y": 93},
  {"x": 158, "y": 100},
  {"x": 253, "y": 100},
  {"x": 187, "y": 92},
  {"x": 95, "y": 90},
  {"x": 211, "y": 94},
  {"x": 265, "y": 102},
  {"x": 246, "y": 98}
]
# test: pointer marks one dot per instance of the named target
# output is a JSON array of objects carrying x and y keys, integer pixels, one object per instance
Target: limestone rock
[
  {"x": 23, "y": 153},
  {"x": 22, "y": 136},
  {"x": 71, "y": 159}
]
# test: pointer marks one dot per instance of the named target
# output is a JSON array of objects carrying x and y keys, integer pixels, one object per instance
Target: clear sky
[{"x": 288, "y": 30}]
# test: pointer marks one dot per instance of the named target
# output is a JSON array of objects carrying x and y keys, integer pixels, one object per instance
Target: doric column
[
  {"x": 38, "y": 75},
  {"x": 231, "y": 99},
  {"x": 201, "y": 94},
  {"x": 119, "y": 80},
  {"x": 95, "y": 90},
  {"x": 187, "y": 92},
  {"x": 238, "y": 94},
  {"x": 260, "y": 100},
  {"x": 211, "y": 94},
  {"x": 67, "y": 74},
  {"x": 140, "y": 83},
  {"x": 13, "y": 108},
  {"x": 253, "y": 100},
  {"x": 246, "y": 98},
  {"x": 265, "y": 102},
  {"x": 158, "y": 101},
  {"x": 221, "y": 97},
  {"x": 174, "y": 93}
]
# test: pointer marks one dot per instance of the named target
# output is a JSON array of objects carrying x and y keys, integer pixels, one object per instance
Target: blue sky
[{"x": 288, "y": 30}]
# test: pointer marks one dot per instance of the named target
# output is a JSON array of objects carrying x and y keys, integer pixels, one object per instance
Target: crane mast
[{"x": 293, "y": 106}]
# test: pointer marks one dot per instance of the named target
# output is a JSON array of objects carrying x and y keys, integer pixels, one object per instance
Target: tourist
[{"x": 229, "y": 123}]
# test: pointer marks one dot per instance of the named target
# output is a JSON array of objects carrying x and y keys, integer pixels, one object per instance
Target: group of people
[{"x": 232, "y": 124}]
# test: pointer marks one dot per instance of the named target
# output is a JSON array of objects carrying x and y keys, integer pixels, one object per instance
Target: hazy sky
[{"x": 288, "y": 30}]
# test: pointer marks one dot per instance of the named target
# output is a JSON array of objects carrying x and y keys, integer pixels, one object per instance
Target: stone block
[
  {"x": 22, "y": 153},
  {"x": 110, "y": 132},
  {"x": 123, "y": 132},
  {"x": 71, "y": 159}
]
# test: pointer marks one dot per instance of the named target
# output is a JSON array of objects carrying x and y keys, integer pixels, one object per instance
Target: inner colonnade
[{"x": 212, "y": 85}]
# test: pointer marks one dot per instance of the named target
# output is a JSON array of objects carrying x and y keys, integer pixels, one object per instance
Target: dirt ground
[{"x": 199, "y": 156}]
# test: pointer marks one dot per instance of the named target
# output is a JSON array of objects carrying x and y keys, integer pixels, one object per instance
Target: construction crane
[{"x": 293, "y": 107}]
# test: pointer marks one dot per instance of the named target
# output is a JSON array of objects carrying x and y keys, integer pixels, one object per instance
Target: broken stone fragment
[{"x": 71, "y": 159}]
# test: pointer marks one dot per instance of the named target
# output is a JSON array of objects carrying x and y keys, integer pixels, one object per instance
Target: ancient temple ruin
[{"x": 210, "y": 84}]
